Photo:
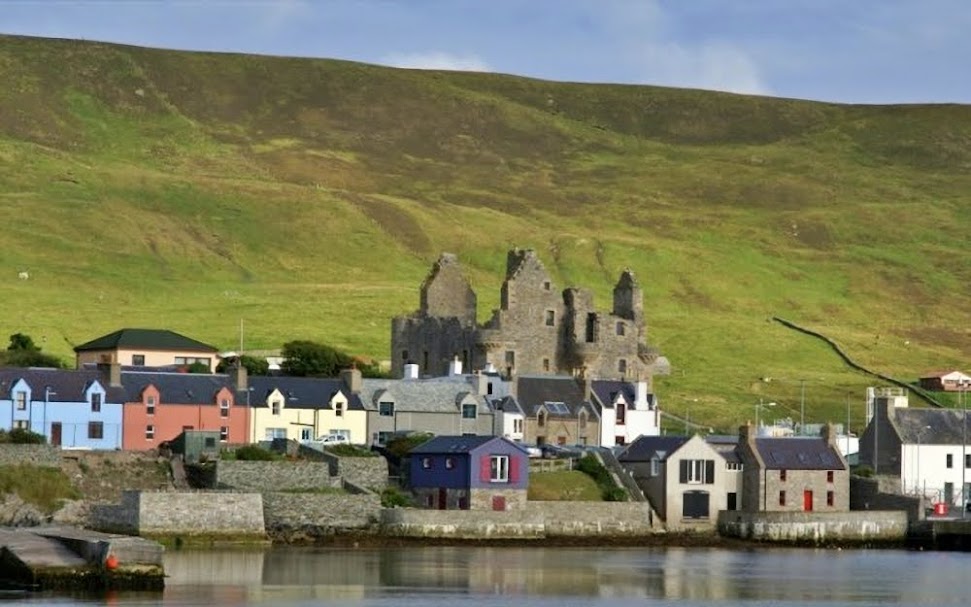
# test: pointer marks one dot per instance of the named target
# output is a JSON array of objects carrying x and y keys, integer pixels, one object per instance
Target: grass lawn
[{"x": 566, "y": 485}]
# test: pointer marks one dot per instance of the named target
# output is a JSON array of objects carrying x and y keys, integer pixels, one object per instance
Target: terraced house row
[{"x": 105, "y": 405}]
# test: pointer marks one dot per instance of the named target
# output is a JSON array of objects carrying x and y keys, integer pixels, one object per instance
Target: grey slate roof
[
  {"x": 67, "y": 385},
  {"x": 432, "y": 395},
  {"x": 798, "y": 453},
  {"x": 646, "y": 448},
  {"x": 301, "y": 392},
  {"x": 534, "y": 391},
  {"x": 452, "y": 444},
  {"x": 176, "y": 388},
  {"x": 946, "y": 427},
  {"x": 149, "y": 339},
  {"x": 508, "y": 404}
]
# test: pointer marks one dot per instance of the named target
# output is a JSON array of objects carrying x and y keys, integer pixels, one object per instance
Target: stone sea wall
[
  {"x": 274, "y": 476},
  {"x": 182, "y": 513},
  {"x": 45, "y": 456},
  {"x": 815, "y": 528}
]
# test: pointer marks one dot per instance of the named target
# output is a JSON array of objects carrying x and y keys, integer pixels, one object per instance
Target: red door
[
  {"x": 56, "y": 434},
  {"x": 499, "y": 502},
  {"x": 807, "y": 500}
]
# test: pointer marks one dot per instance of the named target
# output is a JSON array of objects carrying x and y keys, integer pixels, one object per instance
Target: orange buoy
[{"x": 111, "y": 563}]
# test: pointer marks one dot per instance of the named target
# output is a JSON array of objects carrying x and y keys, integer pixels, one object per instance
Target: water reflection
[{"x": 600, "y": 575}]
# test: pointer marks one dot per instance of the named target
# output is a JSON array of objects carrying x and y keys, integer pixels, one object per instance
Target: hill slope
[{"x": 308, "y": 197}]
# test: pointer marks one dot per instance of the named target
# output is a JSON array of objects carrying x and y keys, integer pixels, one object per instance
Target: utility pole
[{"x": 802, "y": 406}]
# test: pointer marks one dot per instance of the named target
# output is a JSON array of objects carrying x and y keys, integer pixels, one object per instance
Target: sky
[{"x": 849, "y": 51}]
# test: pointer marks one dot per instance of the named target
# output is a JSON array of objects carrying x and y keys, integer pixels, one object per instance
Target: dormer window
[
  {"x": 224, "y": 407},
  {"x": 275, "y": 407},
  {"x": 338, "y": 409},
  {"x": 386, "y": 409},
  {"x": 96, "y": 402},
  {"x": 150, "y": 405},
  {"x": 469, "y": 411},
  {"x": 541, "y": 419}
]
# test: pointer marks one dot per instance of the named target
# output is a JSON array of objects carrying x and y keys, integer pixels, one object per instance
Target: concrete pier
[{"x": 72, "y": 558}]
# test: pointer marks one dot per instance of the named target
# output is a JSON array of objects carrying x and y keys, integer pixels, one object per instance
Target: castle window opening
[
  {"x": 404, "y": 355},
  {"x": 591, "y": 326},
  {"x": 546, "y": 365},
  {"x": 546, "y": 285},
  {"x": 620, "y": 328},
  {"x": 622, "y": 366},
  {"x": 510, "y": 358},
  {"x": 550, "y": 318}
]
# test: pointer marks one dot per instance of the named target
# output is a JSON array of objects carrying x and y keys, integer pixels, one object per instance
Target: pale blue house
[{"x": 80, "y": 409}]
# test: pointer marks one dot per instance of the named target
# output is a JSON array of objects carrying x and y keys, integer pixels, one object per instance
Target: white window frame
[
  {"x": 498, "y": 468},
  {"x": 223, "y": 407},
  {"x": 21, "y": 399},
  {"x": 386, "y": 408},
  {"x": 655, "y": 466},
  {"x": 224, "y": 434},
  {"x": 150, "y": 405},
  {"x": 696, "y": 471},
  {"x": 150, "y": 432}
]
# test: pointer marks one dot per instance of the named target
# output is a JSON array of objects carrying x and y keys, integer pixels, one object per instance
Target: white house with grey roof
[{"x": 926, "y": 449}]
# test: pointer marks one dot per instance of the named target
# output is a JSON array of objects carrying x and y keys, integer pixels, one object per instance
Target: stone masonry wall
[
  {"x": 815, "y": 527},
  {"x": 595, "y": 518},
  {"x": 537, "y": 520},
  {"x": 369, "y": 472},
  {"x": 872, "y": 494},
  {"x": 273, "y": 476},
  {"x": 46, "y": 456},
  {"x": 296, "y": 516},
  {"x": 232, "y": 514},
  {"x": 178, "y": 513}
]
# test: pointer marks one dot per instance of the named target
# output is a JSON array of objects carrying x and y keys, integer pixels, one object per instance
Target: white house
[
  {"x": 925, "y": 448},
  {"x": 627, "y": 411}
]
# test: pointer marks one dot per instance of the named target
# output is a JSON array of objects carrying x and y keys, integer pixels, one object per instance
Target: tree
[
  {"x": 23, "y": 352},
  {"x": 304, "y": 358},
  {"x": 254, "y": 365},
  {"x": 19, "y": 342}
]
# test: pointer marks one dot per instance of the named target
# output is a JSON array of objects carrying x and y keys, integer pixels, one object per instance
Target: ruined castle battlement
[{"x": 537, "y": 329}]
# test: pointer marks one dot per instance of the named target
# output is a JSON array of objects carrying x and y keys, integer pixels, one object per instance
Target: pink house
[{"x": 159, "y": 406}]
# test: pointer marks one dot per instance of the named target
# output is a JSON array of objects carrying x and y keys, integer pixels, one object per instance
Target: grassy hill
[{"x": 188, "y": 191}]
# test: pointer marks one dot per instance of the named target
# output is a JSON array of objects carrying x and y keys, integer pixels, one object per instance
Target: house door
[
  {"x": 948, "y": 493},
  {"x": 442, "y": 498},
  {"x": 56, "y": 434},
  {"x": 499, "y": 503},
  {"x": 807, "y": 500},
  {"x": 732, "y": 501},
  {"x": 695, "y": 504}
]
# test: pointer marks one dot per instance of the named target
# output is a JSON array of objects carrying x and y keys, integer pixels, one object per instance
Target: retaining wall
[
  {"x": 182, "y": 513},
  {"x": 815, "y": 527},
  {"x": 274, "y": 476},
  {"x": 877, "y": 494},
  {"x": 537, "y": 520},
  {"x": 45, "y": 456},
  {"x": 295, "y": 516}
]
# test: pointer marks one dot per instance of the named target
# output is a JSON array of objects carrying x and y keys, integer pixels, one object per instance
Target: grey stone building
[{"x": 536, "y": 330}]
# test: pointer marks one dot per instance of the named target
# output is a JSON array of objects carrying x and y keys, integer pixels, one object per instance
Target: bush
[
  {"x": 864, "y": 471},
  {"x": 402, "y": 445},
  {"x": 350, "y": 451},
  {"x": 393, "y": 498},
  {"x": 592, "y": 467},
  {"x": 21, "y": 436},
  {"x": 255, "y": 453}
]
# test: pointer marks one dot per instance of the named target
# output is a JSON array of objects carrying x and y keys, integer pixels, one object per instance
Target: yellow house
[
  {"x": 145, "y": 348},
  {"x": 305, "y": 408}
]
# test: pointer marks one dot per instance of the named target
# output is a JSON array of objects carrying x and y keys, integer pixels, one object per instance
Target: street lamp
[{"x": 758, "y": 407}]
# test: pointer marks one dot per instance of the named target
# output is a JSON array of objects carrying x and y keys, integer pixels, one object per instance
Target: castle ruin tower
[{"x": 629, "y": 302}]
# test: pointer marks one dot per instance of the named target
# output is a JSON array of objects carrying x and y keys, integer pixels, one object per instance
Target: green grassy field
[{"x": 307, "y": 198}]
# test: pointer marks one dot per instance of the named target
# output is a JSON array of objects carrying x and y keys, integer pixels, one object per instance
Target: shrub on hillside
[
  {"x": 591, "y": 466},
  {"x": 393, "y": 498},
  {"x": 350, "y": 451},
  {"x": 402, "y": 445}
]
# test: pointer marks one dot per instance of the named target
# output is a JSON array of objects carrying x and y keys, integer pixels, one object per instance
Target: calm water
[{"x": 560, "y": 577}]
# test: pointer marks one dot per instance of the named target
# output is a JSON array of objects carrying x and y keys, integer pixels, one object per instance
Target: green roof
[{"x": 149, "y": 339}]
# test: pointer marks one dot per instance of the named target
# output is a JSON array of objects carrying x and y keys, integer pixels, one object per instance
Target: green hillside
[{"x": 188, "y": 191}]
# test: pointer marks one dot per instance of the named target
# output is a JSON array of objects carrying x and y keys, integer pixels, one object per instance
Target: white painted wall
[{"x": 925, "y": 471}]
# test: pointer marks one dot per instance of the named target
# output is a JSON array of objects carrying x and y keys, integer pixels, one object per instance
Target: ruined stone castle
[{"x": 537, "y": 330}]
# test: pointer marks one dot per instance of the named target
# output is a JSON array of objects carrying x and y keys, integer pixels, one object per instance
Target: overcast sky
[{"x": 857, "y": 51}]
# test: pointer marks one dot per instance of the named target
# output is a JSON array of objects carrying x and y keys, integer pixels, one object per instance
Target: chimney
[
  {"x": 111, "y": 372},
  {"x": 455, "y": 367},
  {"x": 411, "y": 371},
  {"x": 352, "y": 379},
  {"x": 481, "y": 383},
  {"x": 586, "y": 384},
  {"x": 746, "y": 434},
  {"x": 829, "y": 434},
  {"x": 239, "y": 377},
  {"x": 640, "y": 396},
  {"x": 490, "y": 368}
]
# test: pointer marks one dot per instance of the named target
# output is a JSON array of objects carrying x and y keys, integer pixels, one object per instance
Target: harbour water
[{"x": 541, "y": 577}]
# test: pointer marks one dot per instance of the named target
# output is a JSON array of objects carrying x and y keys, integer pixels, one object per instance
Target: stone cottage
[{"x": 536, "y": 330}]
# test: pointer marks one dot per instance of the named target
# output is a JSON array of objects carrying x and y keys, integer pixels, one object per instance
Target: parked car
[
  {"x": 329, "y": 440},
  {"x": 533, "y": 450},
  {"x": 557, "y": 451}
]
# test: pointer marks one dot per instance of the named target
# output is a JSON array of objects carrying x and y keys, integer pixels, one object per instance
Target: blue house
[
  {"x": 72, "y": 408},
  {"x": 470, "y": 473}
]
